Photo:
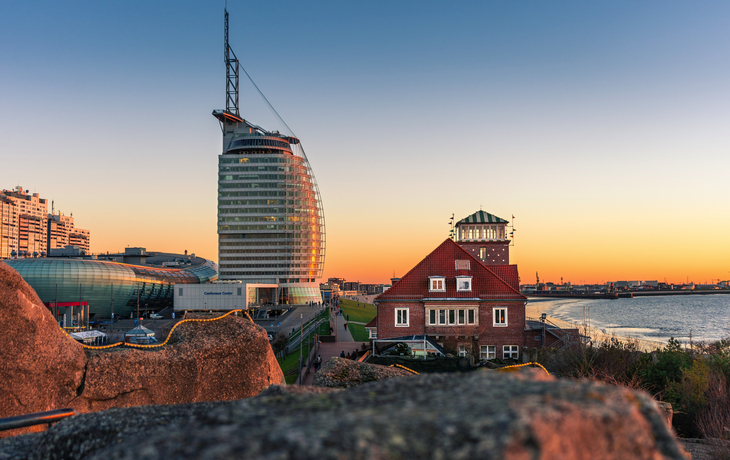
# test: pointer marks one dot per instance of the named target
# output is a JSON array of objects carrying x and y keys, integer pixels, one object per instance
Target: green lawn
[
  {"x": 359, "y": 333},
  {"x": 359, "y": 311}
]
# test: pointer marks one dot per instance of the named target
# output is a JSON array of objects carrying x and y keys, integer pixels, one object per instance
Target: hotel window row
[{"x": 452, "y": 316}]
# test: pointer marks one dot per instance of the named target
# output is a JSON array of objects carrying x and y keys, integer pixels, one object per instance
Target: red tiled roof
[
  {"x": 488, "y": 282},
  {"x": 373, "y": 322}
]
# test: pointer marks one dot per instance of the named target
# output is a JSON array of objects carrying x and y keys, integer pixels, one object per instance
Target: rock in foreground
[
  {"x": 204, "y": 361},
  {"x": 41, "y": 368},
  {"x": 345, "y": 373},
  {"x": 483, "y": 414}
]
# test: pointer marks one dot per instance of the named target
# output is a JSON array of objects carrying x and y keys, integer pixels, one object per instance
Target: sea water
[{"x": 704, "y": 318}]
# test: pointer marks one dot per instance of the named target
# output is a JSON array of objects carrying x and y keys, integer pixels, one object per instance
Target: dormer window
[
  {"x": 463, "y": 283},
  {"x": 436, "y": 284}
]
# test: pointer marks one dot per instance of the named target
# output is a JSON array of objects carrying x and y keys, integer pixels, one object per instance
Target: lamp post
[{"x": 301, "y": 339}]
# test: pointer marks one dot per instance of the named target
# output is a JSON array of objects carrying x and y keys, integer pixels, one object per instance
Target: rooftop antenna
[
  {"x": 452, "y": 234},
  {"x": 231, "y": 73}
]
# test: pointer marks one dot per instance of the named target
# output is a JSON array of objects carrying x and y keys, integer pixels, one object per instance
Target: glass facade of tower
[{"x": 270, "y": 218}]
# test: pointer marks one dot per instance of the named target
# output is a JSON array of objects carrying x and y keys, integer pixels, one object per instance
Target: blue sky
[{"x": 601, "y": 126}]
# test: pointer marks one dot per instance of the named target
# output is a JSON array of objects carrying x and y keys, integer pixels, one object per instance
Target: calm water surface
[{"x": 705, "y": 317}]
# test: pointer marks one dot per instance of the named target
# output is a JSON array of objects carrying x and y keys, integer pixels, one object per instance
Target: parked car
[{"x": 155, "y": 316}]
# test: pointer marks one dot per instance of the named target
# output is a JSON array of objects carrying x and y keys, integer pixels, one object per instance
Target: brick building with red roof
[{"x": 454, "y": 302}]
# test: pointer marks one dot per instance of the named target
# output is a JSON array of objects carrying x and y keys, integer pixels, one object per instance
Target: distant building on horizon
[
  {"x": 62, "y": 232},
  {"x": 28, "y": 230},
  {"x": 24, "y": 223},
  {"x": 270, "y": 216}
]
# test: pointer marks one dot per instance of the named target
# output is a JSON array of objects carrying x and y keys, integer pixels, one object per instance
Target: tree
[{"x": 279, "y": 343}]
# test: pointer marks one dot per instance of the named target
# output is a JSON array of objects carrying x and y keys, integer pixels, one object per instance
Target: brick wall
[
  {"x": 451, "y": 337},
  {"x": 497, "y": 253}
]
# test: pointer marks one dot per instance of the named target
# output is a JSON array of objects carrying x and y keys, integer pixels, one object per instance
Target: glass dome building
[{"x": 107, "y": 284}]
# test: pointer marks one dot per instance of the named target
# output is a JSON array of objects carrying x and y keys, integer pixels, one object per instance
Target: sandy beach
[{"x": 537, "y": 306}]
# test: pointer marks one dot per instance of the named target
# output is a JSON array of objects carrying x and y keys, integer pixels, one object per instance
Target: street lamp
[{"x": 301, "y": 339}]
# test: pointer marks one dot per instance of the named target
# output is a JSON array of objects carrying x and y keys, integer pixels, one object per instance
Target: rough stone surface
[
  {"x": 204, "y": 361},
  {"x": 344, "y": 373},
  {"x": 483, "y": 414},
  {"x": 41, "y": 368}
]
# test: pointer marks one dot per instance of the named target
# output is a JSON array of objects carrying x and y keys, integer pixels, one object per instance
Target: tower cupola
[{"x": 485, "y": 236}]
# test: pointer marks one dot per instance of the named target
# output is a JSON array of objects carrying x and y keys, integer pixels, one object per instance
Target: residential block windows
[
  {"x": 510, "y": 351},
  {"x": 401, "y": 317},
  {"x": 487, "y": 352},
  {"x": 499, "y": 316},
  {"x": 436, "y": 284},
  {"x": 454, "y": 316}
]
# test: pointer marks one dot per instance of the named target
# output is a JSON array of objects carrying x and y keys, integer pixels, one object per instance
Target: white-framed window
[
  {"x": 401, "y": 317},
  {"x": 499, "y": 316},
  {"x": 451, "y": 316},
  {"x": 463, "y": 350},
  {"x": 510, "y": 351},
  {"x": 463, "y": 283},
  {"x": 487, "y": 352},
  {"x": 436, "y": 284}
]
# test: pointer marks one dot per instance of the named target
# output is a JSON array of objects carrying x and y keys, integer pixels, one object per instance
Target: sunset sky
[{"x": 603, "y": 127}]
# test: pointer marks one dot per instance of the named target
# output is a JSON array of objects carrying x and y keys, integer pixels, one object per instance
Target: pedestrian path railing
[{"x": 304, "y": 332}]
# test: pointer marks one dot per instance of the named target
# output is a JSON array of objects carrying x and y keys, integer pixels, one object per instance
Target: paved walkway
[{"x": 344, "y": 343}]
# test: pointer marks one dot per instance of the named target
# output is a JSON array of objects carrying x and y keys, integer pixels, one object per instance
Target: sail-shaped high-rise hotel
[{"x": 270, "y": 219}]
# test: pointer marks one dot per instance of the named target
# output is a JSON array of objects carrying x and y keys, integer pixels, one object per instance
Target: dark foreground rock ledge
[{"x": 484, "y": 414}]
